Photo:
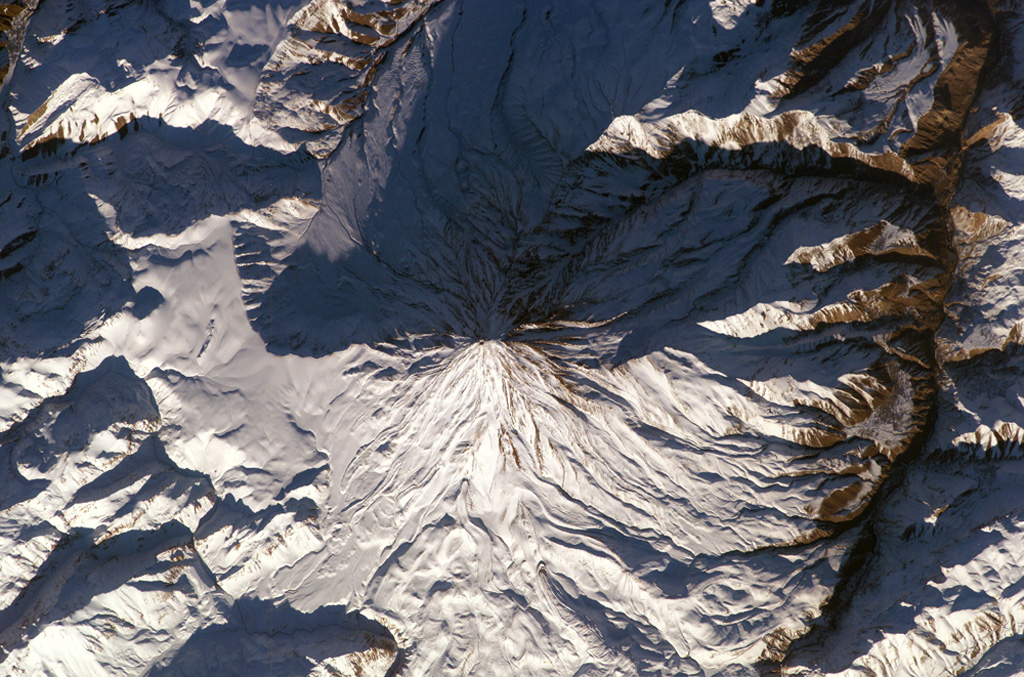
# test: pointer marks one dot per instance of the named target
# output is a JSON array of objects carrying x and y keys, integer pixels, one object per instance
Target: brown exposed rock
[
  {"x": 365, "y": 39},
  {"x": 939, "y": 131},
  {"x": 811, "y": 64}
]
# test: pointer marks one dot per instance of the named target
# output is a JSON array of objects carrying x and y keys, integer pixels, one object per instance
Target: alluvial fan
[{"x": 428, "y": 337}]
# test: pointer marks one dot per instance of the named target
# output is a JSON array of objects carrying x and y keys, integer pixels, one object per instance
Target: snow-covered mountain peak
[{"x": 428, "y": 338}]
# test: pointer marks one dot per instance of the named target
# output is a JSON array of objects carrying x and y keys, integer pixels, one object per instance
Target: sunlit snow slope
[{"x": 594, "y": 337}]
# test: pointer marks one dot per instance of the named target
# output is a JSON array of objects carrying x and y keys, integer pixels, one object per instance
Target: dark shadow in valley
[
  {"x": 422, "y": 234},
  {"x": 59, "y": 272},
  {"x": 259, "y": 637},
  {"x": 590, "y": 261}
]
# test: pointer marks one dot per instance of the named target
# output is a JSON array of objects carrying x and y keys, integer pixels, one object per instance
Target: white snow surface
[{"x": 384, "y": 337}]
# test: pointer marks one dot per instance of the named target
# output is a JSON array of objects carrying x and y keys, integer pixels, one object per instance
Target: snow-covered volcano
[{"x": 511, "y": 338}]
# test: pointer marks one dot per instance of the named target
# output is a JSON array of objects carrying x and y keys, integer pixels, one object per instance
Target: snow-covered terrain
[{"x": 428, "y": 337}]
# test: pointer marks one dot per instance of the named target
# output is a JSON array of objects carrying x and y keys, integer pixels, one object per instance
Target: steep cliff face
[{"x": 423, "y": 338}]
